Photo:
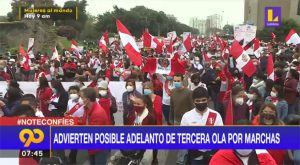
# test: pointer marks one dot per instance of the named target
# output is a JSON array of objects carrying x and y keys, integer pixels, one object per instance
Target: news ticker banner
[{"x": 149, "y": 137}]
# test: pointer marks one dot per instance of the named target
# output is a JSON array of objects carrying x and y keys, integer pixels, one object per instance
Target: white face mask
[
  {"x": 239, "y": 100},
  {"x": 244, "y": 152},
  {"x": 273, "y": 94},
  {"x": 103, "y": 92},
  {"x": 73, "y": 96},
  {"x": 129, "y": 88}
]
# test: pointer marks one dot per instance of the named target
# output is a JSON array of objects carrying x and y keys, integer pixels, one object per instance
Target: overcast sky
[{"x": 182, "y": 9}]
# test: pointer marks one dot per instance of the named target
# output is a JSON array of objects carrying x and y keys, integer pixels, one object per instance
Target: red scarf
[
  {"x": 211, "y": 119},
  {"x": 74, "y": 109},
  {"x": 168, "y": 91}
]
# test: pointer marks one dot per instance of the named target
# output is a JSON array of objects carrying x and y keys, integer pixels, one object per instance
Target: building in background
[
  {"x": 198, "y": 24},
  {"x": 254, "y": 12},
  {"x": 214, "y": 24}
]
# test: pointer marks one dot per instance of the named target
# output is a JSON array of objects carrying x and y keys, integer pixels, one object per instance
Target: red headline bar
[{"x": 38, "y": 121}]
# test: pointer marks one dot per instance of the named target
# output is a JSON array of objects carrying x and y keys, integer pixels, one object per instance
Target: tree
[
  {"x": 139, "y": 18},
  {"x": 89, "y": 32},
  {"x": 228, "y": 29}
]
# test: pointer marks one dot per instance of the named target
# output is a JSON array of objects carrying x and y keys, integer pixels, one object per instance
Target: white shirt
[
  {"x": 194, "y": 118},
  {"x": 59, "y": 70},
  {"x": 79, "y": 112},
  {"x": 95, "y": 61}
]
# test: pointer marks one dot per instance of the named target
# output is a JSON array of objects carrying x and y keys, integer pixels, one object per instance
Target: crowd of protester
[{"x": 190, "y": 99}]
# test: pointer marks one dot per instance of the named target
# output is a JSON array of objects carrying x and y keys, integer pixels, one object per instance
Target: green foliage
[
  {"x": 89, "y": 32},
  {"x": 139, "y": 18},
  {"x": 280, "y": 33},
  {"x": 79, "y": 24},
  {"x": 228, "y": 29}
]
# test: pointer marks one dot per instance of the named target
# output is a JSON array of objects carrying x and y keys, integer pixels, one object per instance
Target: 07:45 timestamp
[{"x": 31, "y": 153}]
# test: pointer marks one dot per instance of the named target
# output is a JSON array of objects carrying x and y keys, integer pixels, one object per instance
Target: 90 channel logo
[{"x": 28, "y": 136}]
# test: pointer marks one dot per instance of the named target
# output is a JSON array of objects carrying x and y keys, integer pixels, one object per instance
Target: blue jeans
[
  {"x": 181, "y": 157},
  {"x": 100, "y": 158},
  {"x": 166, "y": 111},
  {"x": 296, "y": 157}
]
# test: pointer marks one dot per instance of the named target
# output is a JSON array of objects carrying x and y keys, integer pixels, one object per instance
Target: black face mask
[
  {"x": 268, "y": 116},
  {"x": 201, "y": 106}
]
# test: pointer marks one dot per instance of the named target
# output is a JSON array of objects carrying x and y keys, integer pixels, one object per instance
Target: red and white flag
[
  {"x": 30, "y": 48},
  {"x": 73, "y": 46},
  {"x": 25, "y": 59},
  {"x": 55, "y": 54},
  {"x": 270, "y": 67},
  {"x": 292, "y": 38},
  {"x": 256, "y": 48},
  {"x": 129, "y": 44},
  {"x": 163, "y": 66},
  {"x": 273, "y": 36},
  {"x": 242, "y": 59},
  {"x": 103, "y": 42},
  {"x": 172, "y": 36},
  {"x": 264, "y": 157},
  {"x": 152, "y": 42},
  {"x": 187, "y": 42}
]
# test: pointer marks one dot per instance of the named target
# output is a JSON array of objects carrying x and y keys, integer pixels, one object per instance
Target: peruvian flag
[
  {"x": 163, "y": 66},
  {"x": 172, "y": 36},
  {"x": 55, "y": 54},
  {"x": 292, "y": 38},
  {"x": 73, "y": 46},
  {"x": 226, "y": 53},
  {"x": 256, "y": 47},
  {"x": 103, "y": 42},
  {"x": 129, "y": 44},
  {"x": 270, "y": 67},
  {"x": 229, "y": 111},
  {"x": 187, "y": 42},
  {"x": 152, "y": 42},
  {"x": 242, "y": 59},
  {"x": 25, "y": 60},
  {"x": 205, "y": 56},
  {"x": 273, "y": 36},
  {"x": 30, "y": 48},
  {"x": 264, "y": 157}
]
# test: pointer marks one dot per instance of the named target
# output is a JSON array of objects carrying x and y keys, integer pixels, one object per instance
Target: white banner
[
  {"x": 239, "y": 32},
  {"x": 163, "y": 65}
]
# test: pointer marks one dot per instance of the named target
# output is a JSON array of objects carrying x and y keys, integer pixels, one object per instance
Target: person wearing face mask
[
  {"x": 290, "y": 90},
  {"x": 157, "y": 110},
  {"x": 242, "y": 157},
  {"x": 43, "y": 94},
  {"x": 56, "y": 71},
  {"x": 156, "y": 100},
  {"x": 254, "y": 101},
  {"x": 127, "y": 103},
  {"x": 93, "y": 114},
  {"x": 180, "y": 103},
  {"x": 196, "y": 66},
  {"x": 240, "y": 108},
  {"x": 59, "y": 100},
  {"x": 268, "y": 116},
  {"x": 195, "y": 82},
  {"x": 69, "y": 70},
  {"x": 201, "y": 115},
  {"x": 116, "y": 68},
  {"x": 43, "y": 72},
  {"x": 259, "y": 83},
  {"x": 74, "y": 109},
  {"x": 107, "y": 101},
  {"x": 168, "y": 85},
  {"x": 277, "y": 98},
  {"x": 94, "y": 63}
]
